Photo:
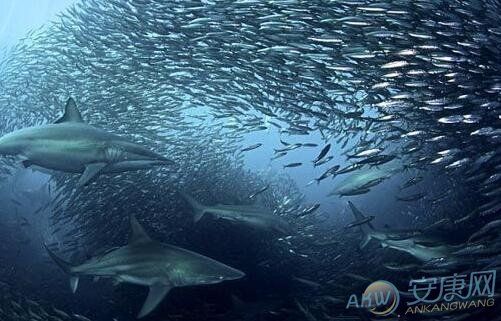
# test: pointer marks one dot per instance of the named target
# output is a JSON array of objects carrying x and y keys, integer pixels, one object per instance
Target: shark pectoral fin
[
  {"x": 42, "y": 170},
  {"x": 26, "y": 163},
  {"x": 74, "y": 283},
  {"x": 71, "y": 113},
  {"x": 198, "y": 216},
  {"x": 91, "y": 171},
  {"x": 155, "y": 296}
]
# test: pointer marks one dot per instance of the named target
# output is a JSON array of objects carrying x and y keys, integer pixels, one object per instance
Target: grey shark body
[
  {"x": 146, "y": 262},
  {"x": 405, "y": 243},
  {"x": 256, "y": 217},
  {"x": 71, "y": 145}
]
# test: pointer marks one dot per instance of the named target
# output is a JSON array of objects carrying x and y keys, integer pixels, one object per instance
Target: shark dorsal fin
[
  {"x": 138, "y": 234},
  {"x": 71, "y": 113}
]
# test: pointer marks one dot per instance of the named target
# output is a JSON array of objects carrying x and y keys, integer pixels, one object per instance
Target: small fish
[
  {"x": 251, "y": 147},
  {"x": 395, "y": 64},
  {"x": 306, "y": 282},
  {"x": 330, "y": 172},
  {"x": 293, "y": 165},
  {"x": 411, "y": 198},
  {"x": 350, "y": 168},
  {"x": 251, "y": 196},
  {"x": 309, "y": 210},
  {"x": 323, "y": 152},
  {"x": 323, "y": 161},
  {"x": 377, "y": 160},
  {"x": 278, "y": 155},
  {"x": 365, "y": 220},
  {"x": 284, "y": 143},
  {"x": 366, "y": 153}
]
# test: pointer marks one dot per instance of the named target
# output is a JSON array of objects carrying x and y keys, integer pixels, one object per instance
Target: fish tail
[
  {"x": 366, "y": 228},
  {"x": 198, "y": 209},
  {"x": 65, "y": 266}
]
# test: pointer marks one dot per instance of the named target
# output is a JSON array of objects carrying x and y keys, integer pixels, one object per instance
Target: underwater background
[{"x": 369, "y": 131}]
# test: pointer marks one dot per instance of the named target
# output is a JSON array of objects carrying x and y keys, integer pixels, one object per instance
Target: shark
[
  {"x": 257, "y": 217},
  {"x": 146, "y": 262},
  {"x": 363, "y": 180},
  {"x": 73, "y": 146},
  {"x": 410, "y": 244}
]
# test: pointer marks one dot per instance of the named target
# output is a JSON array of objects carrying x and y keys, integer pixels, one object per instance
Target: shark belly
[
  {"x": 424, "y": 253},
  {"x": 420, "y": 252},
  {"x": 60, "y": 155},
  {"x": 270, "y": 223},
  {"x": 224, "y": 214},
  {"x": 261, "y": 220},
  {"x": 145, "y": 275},
  {"x": 133, "y": 165}
]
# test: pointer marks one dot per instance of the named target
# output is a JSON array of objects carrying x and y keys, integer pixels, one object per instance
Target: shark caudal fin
[
  {"x": 198, "y": 209},
  {"x": 65, "y": 266},
  {"x": 365, "y": 228}
]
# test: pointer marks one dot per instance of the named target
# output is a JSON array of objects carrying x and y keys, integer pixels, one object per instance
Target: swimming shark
[
  {"x": 144, "y": 261},
  {"x": 253, "y": 216},
  {"x": 403, "y": 243},
  {"x": 73, "y": 146},
  {"x": 361, "y": 181}
]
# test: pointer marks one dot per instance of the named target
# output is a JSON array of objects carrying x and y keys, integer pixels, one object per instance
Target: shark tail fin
[
  {"x": 365, "y": 241},
  {"x": 237, "y": 302},
  {"x": 365, "y": 228},
  {"x": 198, "y": 209},
  {"x": 66, "y": 267}
]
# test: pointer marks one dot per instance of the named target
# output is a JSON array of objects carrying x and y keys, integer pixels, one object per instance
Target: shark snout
[
  {"x": 219, "y": 272},
  {"x": 231, "y": 274},
  {"x": 134, "y": 152}
]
